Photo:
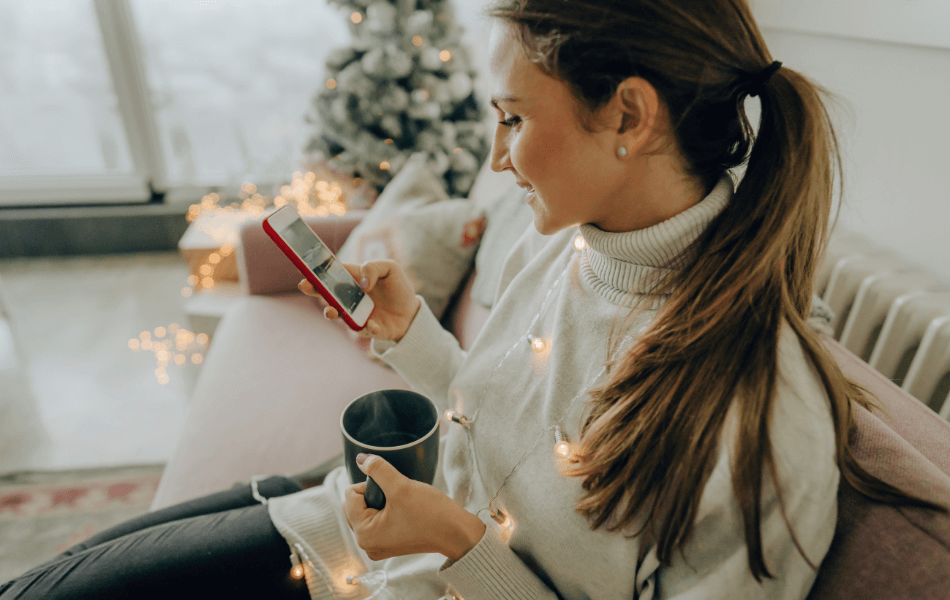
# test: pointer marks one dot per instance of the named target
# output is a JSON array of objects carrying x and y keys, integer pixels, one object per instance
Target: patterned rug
[{"x": 43, "y": 513}]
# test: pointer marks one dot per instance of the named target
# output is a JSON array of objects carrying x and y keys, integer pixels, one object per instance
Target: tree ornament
[
  {"x": 427, "y": 111},
  {"x": 460, "y": 86},
  {"x": 340, "y": 57},
  {"x": 430, "y": 59},
  {"x": 381, "y": 17},
  {"x": 419, "y": 22}
]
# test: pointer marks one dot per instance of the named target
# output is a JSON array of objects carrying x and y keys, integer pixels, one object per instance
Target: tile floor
[{"x": 101, "y": 402}]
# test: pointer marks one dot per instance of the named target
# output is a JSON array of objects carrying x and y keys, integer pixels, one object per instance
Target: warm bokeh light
[
  {"x": 183, "y": 342},
  {"x": 331, "y": 83},
  {"x": 187, "y": 292},
  {"x": 538, "y": 345},
  {"x": 579, "y": 242},
  {"x": 506, "y": 524},
  {"x": 389, "y": 141},
  {"x": 207, "y": 282},
  {"x": 192, "y": 280},
  {"x": 457, "y": 150},
  {"x": 214, "y": 258},
  {"x": 445, "y": 55},
  {"x": 417, "y": 40},
  {"x": 384, "y": 166},
  {"x": 356, "y": 18},
  {"x": 297, "y": 572},
  {"x": 206, "y": 270},
  {"x": 563, "y": 449}
]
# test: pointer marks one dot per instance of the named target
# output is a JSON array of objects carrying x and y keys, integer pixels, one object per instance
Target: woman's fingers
[
  {"x": 307, "y": 288},
  {"x": 371, "y": 272},
  {"x": 331, "y": 313},
  {"x": 373, "y": 327}
]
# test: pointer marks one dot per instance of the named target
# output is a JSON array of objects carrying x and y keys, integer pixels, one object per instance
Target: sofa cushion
[
  {"x": 270, "y": 395},
  {"x": 414, "y": 186},
  {"x": 508, "y": 217},
  {"x": 434, "y": 239},
  {"x": 434, "y": 243},
  {"x": 883, "y": 551}
]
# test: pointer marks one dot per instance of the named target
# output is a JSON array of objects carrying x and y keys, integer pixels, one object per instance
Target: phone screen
[{"x": 324, "y": 265}]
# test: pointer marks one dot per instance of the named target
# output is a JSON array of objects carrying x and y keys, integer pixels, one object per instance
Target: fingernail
[
  {"x": 364, "y": 283},
  {"x": 361, "y": 458}
]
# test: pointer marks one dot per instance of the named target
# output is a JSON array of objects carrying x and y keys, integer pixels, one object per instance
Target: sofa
[{"x": 278, "y": 375}]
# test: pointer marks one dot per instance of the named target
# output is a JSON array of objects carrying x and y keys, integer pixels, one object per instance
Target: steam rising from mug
[{"x": 398, "y": 425}]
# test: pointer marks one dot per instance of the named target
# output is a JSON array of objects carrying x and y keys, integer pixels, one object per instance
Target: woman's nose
[{"x": 500, "y": 159}]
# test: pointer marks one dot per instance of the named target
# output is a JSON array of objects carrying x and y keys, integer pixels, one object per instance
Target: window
[
  {"x": 60, "y": 126},
  {"x": 232, "y": 82},
  {"x": 101, "y": 99}
]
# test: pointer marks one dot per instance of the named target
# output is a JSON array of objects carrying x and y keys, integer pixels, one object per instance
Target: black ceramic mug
[{"x": 398, "y": 425}]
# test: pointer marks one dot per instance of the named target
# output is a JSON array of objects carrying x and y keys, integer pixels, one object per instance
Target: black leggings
[{"x": 222, "y": 545}]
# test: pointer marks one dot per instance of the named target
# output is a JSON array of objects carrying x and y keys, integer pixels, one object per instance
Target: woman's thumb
[{"x": 383, "y": 473}]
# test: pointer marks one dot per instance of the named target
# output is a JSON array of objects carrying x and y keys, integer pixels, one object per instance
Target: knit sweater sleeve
[
  {"x": 492, "y": 571},
  {"x": 427, "y": 357}
]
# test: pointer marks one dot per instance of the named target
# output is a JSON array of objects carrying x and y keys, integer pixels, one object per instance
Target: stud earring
[{"x": 621, "y": 152}]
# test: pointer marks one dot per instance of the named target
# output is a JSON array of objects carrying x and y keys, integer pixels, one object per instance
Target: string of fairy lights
[{"x": 309, "y": 193}]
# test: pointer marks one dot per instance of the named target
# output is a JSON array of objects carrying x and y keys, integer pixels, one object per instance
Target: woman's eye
[{"x": 510, "y": 121}]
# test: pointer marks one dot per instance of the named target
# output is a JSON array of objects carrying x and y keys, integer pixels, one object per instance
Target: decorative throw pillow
[
  {"x": 435, "y": 243},
  {"x": 413, "y": 186},
  {"x": 508, "y": 217}
]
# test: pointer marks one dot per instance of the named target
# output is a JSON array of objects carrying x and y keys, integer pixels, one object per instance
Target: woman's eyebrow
[{"x": 508, "y": 99}]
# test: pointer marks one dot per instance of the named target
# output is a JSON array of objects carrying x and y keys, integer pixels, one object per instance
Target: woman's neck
[{"x": 657, "y": 189}]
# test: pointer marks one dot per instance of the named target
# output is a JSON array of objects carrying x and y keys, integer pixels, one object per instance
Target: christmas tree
[{"x": 405, "y": 85}]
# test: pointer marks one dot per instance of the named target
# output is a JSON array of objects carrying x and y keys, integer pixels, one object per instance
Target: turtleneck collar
[{"x": 620, "y": 263}]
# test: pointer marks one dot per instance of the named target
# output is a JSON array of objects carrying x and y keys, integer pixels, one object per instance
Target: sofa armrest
[{"x": 263, "y": 267}]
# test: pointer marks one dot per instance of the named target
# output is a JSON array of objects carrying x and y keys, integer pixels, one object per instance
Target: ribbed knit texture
[
  {"x": 516, "y": 393},
  {"x": 629, "y": 262}
]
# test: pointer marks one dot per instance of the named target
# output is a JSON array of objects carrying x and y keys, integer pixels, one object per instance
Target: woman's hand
[
  {"x": 393, "y": 295},
  {"x": 417, "y": 518}
]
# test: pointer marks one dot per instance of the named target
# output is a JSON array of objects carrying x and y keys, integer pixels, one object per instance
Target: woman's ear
[{"x": 635, "y": 107}]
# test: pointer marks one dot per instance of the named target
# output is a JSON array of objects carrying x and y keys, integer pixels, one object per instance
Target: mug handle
[{"x": 374, "y": 496}]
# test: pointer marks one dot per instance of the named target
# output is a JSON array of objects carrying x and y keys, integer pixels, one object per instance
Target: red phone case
[{"x": 311, "y": 277}]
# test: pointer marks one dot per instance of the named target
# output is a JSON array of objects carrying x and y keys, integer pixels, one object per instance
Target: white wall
[
  {"x": 917, "y": 22},
  {"x": 893, "y": 122},
  {"x": 894, "y": 118}
]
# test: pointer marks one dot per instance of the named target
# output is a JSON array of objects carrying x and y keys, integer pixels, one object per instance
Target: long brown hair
[{"x": 651, "y": 434}]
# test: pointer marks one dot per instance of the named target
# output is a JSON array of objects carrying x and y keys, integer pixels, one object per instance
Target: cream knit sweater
[{"x": 516, "y": 394}]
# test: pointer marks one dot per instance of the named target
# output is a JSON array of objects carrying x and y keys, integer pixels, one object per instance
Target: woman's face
[{"x": 573, "y": 174}]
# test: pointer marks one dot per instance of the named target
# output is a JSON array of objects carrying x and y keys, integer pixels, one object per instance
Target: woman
[{"x": 646, "y": 413}]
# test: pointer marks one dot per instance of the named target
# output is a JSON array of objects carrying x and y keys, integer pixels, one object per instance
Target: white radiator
[{"x": 892, "y": 314}]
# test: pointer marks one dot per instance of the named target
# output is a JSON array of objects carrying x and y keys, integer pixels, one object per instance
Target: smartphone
[{"x": 321, "y": 268}]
